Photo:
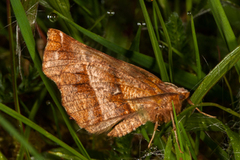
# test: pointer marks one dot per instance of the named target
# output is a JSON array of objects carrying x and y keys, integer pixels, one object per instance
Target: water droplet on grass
[
  {"x": 189, "y": 13},
  {"x": 110, "y": 13},
  {"x": 52, "y": 17}
]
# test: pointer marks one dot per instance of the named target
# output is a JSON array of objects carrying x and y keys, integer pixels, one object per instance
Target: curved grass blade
[
  {"x": 214, "y": 76},
  {"x": 168, "y": 151},
  {"x": 32, "y": 114},
  {"x": 11, "y": 130},
  {"x": 177, "y": 130},
  {"x": 199, "y": 122},
  {"x": 215, "y": 147},
  {"x": 2, "y": 156},
  {"x": 221, "y": 107},
  {"x": 155, "y": 5},
  {"x": 224, "y": 27},
  {"x": 199, "y": 76},
  {"x": 199, "y": 67},
  {"x": 36, "y": 127},
  {"x": 187, "y": 141},
  {"x": 136, "y": 41},
  {"x": 13, "y": 66},
  {"x": 234, "y": 139}
]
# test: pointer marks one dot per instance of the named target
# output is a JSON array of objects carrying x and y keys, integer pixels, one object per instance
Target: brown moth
[{"x": 102, "y": 93}]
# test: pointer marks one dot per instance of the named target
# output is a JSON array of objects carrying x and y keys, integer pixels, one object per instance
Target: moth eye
[{"x": 181, "y": 96}]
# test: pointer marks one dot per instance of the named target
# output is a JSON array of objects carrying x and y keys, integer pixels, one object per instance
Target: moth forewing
[{"x": 100, "y": 92}]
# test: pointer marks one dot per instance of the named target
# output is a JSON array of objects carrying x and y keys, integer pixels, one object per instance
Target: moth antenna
[
  {"x": 205, "y": 113},
  {"x": 155, "y": 128},
  {"x": 190, "y": 102},
  {"x": 175, "y": 132}
]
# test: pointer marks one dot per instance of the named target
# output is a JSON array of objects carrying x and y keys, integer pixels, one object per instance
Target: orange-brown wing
[{"x": 94, "y": 85}]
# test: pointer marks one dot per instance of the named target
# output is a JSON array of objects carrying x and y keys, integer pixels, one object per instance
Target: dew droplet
[
  {"x": 110, "y": 13},
  {"x": 52, "y": 17},
  {"x": 189, "y": 13},
  {"x": 141, "y": 23},
  {"x": 48, "y": 102}
]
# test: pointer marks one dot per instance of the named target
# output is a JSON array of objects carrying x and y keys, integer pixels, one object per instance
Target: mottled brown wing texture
[{"x": 101, "y": 92}]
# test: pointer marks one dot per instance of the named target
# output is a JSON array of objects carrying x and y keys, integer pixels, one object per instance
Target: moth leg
[
  {"x": 155, "y": 128},
  {"x": 175, "y": 132},
  {"x": 129, "y": 124}
]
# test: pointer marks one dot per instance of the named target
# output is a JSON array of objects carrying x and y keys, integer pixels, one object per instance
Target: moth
[{"x": 104, "y": 94}]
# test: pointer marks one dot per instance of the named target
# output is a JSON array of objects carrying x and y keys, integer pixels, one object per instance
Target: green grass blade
[
  {"x": 173, "y": 49},
  {"x": 222, "y": 108},
  {"x": 222, "y": 155},
  {"x": 213, "y": 77},
  {"x": 144, "y": 133},
  {"x": 224, "y": 27},
  {"x": 82, "y": 4},
  {"x": 199, "y": 122},
  {"x": 56, "y": 121},
  {"x": 234, "y": 140},
  {"x": 31, "y": 8},
  {"x": 188, "y": 5},
  {"x": 179, "y": 137},
  {"x": 136, "y": 41},
  {"x": 11, "y": 130},
  {"x": 198, "y": 62},
  {"x": 156, "y": 49},
  {"x": 63, "y": 155},
  {"x": 97, "y": 22},
  {"x": 199, "y": 76},
  {"x": 168, "y": 149},
  {"x": 155, "y": 5},
  {"x": 2, "y": 157},
  {"x": 210, "y": 120},
  {"x": 13, "y": 66},
  {"x": 31, "y": 117},
  {"x": 223, "y": 24},
  {"x": 204, "y": 123},
  {"x": 187, "y": 141},
  {"x": 179, "y": 155},
  {"x": 160, "y": 143},
  {"x": 155, "y": 23},
  {"x": 230, "y": 90},
  {"x": 166, "y": 7},
  {"x": 36, "y": 127}
]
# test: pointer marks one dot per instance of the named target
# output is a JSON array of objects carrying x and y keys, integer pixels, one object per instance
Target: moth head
[{"x": 183, "y": 93}]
